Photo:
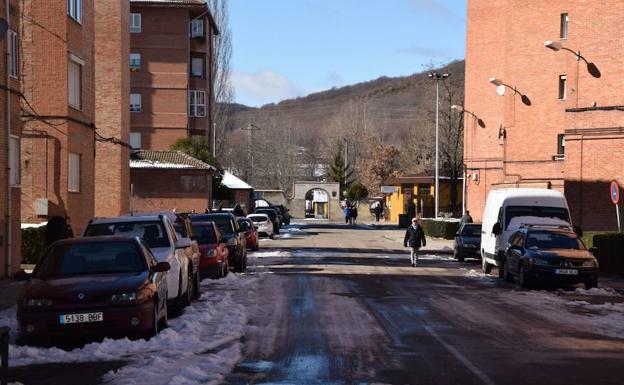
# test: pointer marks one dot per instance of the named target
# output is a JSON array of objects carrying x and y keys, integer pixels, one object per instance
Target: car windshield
[
  {"x": 553, "y": 240},
  {"x": 471, "y": 231},
  {"x": 91, "y": 258},
  {"x": 257, "y": 219},
  {"x": 205, "y": 234},
  {"x": 536, "y": 211},
  {"x": 153, "y": 232}
]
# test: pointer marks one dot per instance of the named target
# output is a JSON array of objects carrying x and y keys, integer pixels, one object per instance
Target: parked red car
[
  {"x": 251, "y": 233},
  {"x": 214, "y": 254},
  {"x": 93, "y": 287}
]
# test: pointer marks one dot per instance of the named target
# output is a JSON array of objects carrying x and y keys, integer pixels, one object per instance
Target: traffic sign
[{"x": 615, "y": 192}]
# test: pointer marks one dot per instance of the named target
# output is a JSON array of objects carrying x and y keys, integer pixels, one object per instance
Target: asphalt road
[
  {"x": 346, "y": 308},
  {"x": 338, "y": 305}
]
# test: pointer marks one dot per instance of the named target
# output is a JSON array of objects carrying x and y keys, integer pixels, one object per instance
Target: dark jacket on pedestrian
[{"x": 415, "y": 237}]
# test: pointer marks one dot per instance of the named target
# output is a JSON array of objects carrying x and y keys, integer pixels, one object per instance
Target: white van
[{"x": 508, "y": 209}]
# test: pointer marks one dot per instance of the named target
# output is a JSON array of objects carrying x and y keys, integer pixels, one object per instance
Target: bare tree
[{"x": 221, "y": 74}]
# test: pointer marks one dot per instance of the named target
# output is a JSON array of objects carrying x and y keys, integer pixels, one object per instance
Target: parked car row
[
  {"x": 128, "y": 274},
  {"x": 528, "y": 234}
]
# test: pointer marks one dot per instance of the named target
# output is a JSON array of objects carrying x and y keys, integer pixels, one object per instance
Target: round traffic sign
[{"x": 615, "y": 192}]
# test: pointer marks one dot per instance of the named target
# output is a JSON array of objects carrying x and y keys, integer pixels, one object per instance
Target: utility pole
[
  {"x": 214, "y": 140},
  {"x": 437, "y": 77},
  {"x": 250, "y": 127}
]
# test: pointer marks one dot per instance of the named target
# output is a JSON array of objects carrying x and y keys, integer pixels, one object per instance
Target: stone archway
[{"x": 317, "y": 201}]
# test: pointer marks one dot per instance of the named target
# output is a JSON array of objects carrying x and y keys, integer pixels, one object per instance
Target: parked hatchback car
[
  {"x": 547, "y": 255},
  {"x": 271, "y": 213},
  {"x": 158, "y": 232},
  {"x": 467, "y": 242},
  {"x": 232, "y": 235},
  {"x": 264, "y": 223},
  {"x": 213, "y": 250},
  {"x": 251, "y": 233},
  {"x": 93, "y": 287}
]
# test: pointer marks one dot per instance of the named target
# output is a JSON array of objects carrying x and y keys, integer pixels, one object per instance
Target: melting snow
[{"x": 201, "y": 346}]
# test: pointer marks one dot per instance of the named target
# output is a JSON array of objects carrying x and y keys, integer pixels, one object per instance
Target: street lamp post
[{"x": 437, "y": 77}]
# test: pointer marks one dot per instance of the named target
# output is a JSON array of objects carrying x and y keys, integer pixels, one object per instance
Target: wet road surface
[{"x": 344, "y": 307}]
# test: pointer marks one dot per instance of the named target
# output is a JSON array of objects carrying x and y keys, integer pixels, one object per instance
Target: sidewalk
[{"x": 9, "y": 290}]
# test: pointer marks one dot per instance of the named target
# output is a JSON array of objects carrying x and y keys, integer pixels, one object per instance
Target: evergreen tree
[{"x": 338, "y": 170}]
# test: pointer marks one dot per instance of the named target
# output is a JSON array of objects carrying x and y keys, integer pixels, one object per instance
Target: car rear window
[
  {"x": 205, "y": 234},
  {"x": 153, "y": 232},
  {"x": 91, "y": 258},
  {"x": 257, "y": 219},
  {"x": 536, "y": 211},
  {"x": 471, "y": 230},
  {"x": 223, "y": 222},
  {"x": 552, "y": 240}
]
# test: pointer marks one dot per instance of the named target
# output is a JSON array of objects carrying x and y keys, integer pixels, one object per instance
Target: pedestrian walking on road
[
  {"x": 414, "y": 239},
  {"x": 354, "y": 215},
  {"x": 378, "y": 211},
  {"x": 347, "y": 214},
  {"x": 466, "y": 218}
]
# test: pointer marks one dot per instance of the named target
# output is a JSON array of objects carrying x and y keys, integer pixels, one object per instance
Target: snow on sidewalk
[{"x": 199, "y": 347}]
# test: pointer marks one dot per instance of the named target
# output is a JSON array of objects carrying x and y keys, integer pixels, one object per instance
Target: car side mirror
[
  {"x": 183, "y": 243},
  {"x": 578, "y": 231},
  {"x": 161, "y": 267},
  {"x": 21, "y": 276},
  {"x": 496, "y": 229}
]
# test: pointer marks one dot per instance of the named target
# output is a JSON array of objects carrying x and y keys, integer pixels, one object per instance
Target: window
[
  {"x": 197, "y": 103},
  {"x": 14, "y": 160},
  {"x": 197, "y": 67},
  {"x": 13, "y": 50},
  {"x": 135, "y": 62},
  {"x": 135, "y": 102},
  {"x": 74, "y": 9},
  {"x": 562, "y": 86},
  {"x": 73, "y": 172},
  {"x": 197, "y": 28},
  {"x": 560, "y": 144},
  {"x": 74, "y": 81},
  {"x": 135, "y": 22},
  {"x": 563, "y": 33},
  {"x": 135, "y": 140}
]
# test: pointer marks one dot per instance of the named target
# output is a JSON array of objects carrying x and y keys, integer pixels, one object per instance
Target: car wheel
[
  {"x": 178, "y": 302},
  {"x": 523, "y": 277},
  {"x": 163, "y": 323},
  {"x": 154, "y": 329},
  {"x": 226, "y": 268},
  {"x": 485, "y": 266},
  {"x": 197, "y": 286},
  {"x": 188, "y": 295},
  {"x": 508, "y": 276},
  {"x": 501, "y": 270},
  {"x": 590, "y": 284}
]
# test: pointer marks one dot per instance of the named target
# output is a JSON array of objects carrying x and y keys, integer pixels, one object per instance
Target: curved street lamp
[
  {"x": 501, "y": 86},
  {"x": 557, "y": 46},
  {"x": 437, "y": 77},
  {"x": 461, "y": 110}
]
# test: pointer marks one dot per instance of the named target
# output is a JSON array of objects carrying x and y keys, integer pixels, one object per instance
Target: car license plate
[
  {"x": 81, "y": 318},
  {"x": 566, "y": 271}
]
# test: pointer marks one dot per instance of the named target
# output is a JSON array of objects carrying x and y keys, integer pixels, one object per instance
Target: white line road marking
[{"x": 476, "y": 371}]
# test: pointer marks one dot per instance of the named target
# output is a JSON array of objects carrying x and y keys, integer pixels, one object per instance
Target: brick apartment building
[
  {"x": 170, "y": 59},
  {"x": 60, "y": 45},
  {"x": 10, "y": 141},
  {"x": 560, "y": 123}
]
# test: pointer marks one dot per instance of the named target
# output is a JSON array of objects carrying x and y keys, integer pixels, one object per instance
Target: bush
[
  {"x": 609, "y": 252},
  {"x": 439, "y": 228},
  {"x": 33, "y": 244}
]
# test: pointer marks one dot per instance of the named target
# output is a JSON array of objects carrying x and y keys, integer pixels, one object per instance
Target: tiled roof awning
[{"x": 167, "y": 160}]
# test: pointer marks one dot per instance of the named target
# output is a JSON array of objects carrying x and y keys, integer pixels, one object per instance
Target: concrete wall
[{"x": 297, "y": 204}]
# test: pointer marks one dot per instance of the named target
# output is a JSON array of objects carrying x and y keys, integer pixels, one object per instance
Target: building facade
[
  {"x": 10, "y": 134},
  {"x": 58, "y": 140},
  {"x": 544, "y": 78},
  {"x": 112, "y": 115},
  {"x": 171, "y": 79}
]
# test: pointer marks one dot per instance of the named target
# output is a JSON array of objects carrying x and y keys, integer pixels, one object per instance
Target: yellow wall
[{"x": 396, "y": 201}]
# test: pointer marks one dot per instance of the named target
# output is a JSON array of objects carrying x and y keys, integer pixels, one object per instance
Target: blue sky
[{"x": 288, "y": 48}]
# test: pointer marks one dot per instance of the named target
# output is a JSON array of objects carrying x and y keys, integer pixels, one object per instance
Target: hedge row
[
  {"x": 440, "y": 229},
  {"x": 33, "y": 244},
  {"x": 609, "y": 252}
]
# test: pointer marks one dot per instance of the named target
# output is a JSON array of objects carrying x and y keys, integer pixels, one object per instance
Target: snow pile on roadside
[
  {"x": 433, "y": 257},
  {"x": 269, "y": 254},
  {"x": 605, "y": 319},
  {"x": 201, "y": 346}
]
